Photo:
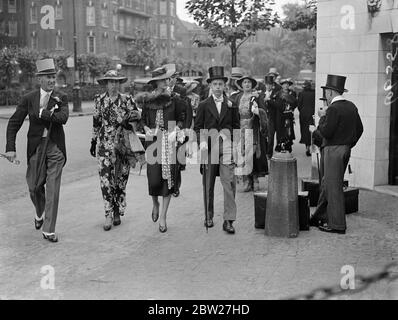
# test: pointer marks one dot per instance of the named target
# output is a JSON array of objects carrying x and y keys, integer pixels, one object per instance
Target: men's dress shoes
[
  {"x": 227, "y": 226},
  {"x": 50, "y": 237},
  {"x": 116, "y": 220},
  {"x": 315, "y": 222},
  {"x": 326, "y": 228},
  {"x": 38, "y": 223},
  {"x": 209, "y": 223}
]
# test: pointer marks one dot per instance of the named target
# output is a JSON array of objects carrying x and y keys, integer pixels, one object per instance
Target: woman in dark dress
[
  {"x": 163, "y": 120},
  {"x": 306, "y": 106}
]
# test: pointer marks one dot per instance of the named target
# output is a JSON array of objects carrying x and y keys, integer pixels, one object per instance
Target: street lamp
[{"x": 77, "y": 103}]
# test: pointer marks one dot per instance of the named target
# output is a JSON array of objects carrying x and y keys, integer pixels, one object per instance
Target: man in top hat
[
  {"x": 48, "y": 111},
  {"x": 220, "y": 117},
  {"x": 341, "y": 127},
  {"x": 273, "y": 103}
]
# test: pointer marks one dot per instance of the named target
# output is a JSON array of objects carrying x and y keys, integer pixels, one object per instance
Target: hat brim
[
  {"x": 104, "y": 80},
  {"x": 167, "y": 75},
  {"x": 48, "y": 73},
  {"x": 217, "y": 78},
  {"x": 334, "y": 88},
  {"x": 240, "y": 81}
]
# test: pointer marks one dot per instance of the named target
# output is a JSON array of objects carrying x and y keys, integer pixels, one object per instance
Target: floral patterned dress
[{"x": 107, "y": 120}]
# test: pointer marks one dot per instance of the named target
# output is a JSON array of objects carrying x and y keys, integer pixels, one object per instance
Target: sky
[{"x": 183, "y": 15}]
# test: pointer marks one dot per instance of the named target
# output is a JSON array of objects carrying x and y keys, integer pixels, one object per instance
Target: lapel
[
  {"x": 36, "y": 101},
  {"x": 224, "y": 109},
  {"x": 213, "y": 108}
]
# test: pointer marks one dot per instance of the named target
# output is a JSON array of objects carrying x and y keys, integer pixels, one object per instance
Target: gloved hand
[{"x": 93, "y": 147}]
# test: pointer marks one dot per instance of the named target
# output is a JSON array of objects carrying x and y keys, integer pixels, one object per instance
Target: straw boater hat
[
  {"x": 335, "y": 83},
  {"x": 287, "y": 80},
  {"x": 45, "y": 67},
  {"x": 164, "y": 72},
  {"x": 240, "y": 81},
  {"x": 112, "y": 75},
  {"x": 215, "y": 73}
]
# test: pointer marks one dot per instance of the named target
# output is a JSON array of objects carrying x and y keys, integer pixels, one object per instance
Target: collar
[
  {"x": 221, "y": 99},
  {"x": 42, "y": 92},
  {"x": 337, "y": 98}
]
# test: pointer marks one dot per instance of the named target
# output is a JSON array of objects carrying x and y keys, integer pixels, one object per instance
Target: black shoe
[
  {"x": 176, "y": 194},
  {"x": 326, "y": 228},
  {"x": 308, "y": 153},
  {"x": 51, "y": 237},
  {"x": 116, "y": 220},
  {"x": 38, "y": 223},
  {"x": 227, "y": 226},
  {"x": 209, "y": 223},
  {"x": 315, "y": 222},
  {"x": 163, "y": 229}
]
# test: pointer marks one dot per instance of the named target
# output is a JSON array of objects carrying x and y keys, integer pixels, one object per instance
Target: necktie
[
  {"x": 218, "y": 102},
  {"x": 46, "y": 98}
]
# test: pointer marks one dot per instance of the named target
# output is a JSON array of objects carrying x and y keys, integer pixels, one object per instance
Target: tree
[
  {"x": 303, "y": 17},
  {"x": 232, "y": 22},
  {"x": 27, "y": 63},
  {"x": 141, "y": 51}
]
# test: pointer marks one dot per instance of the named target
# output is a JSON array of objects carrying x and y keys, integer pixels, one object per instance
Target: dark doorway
[{"x": 393, "y": 163}]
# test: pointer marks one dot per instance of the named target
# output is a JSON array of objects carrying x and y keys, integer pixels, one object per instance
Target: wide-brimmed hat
[
  {"x": 237, "y": 73},
  {"x": 164, "y": 72},
  {"x": 336, "y": 83},
  {"x": 240, "y": 81},
  {"x": 216, "y": 72},
  {"x": 112, "y": 75},
  {"x": 287, "y": 80},
  {"x": 273, "y": 71},
  {"x": 45, "y": 67}
]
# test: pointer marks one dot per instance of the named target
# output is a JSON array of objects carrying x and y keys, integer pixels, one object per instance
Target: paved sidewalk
[
  {"x": 136, "y": 261},
  {"x": 87, "y": 110}
]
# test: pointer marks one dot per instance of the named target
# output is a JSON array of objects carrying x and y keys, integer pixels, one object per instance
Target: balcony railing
[{"x": 136, "y": 8}]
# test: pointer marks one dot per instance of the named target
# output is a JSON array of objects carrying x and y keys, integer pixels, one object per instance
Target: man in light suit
[
  {"x": 46, "y": 153},
  {"x": 220, "y": 117}
]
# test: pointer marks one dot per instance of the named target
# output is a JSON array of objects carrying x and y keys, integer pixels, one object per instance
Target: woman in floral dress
[
  {"x": 113, "y": 113},
  {"x": 162, "y": 117},
  {"x": 252, "y": 161}
]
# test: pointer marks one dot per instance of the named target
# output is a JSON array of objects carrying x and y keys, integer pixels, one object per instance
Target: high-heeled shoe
[
  {"x": 155, "y": 215},
  {"x": 163, "y": 229}
]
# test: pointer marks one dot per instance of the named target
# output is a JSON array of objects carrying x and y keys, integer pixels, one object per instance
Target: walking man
[
  {"x": 46, "y": 153},
  {"x": 341, "y": 127},
  {"x": 220, "y": 117}
]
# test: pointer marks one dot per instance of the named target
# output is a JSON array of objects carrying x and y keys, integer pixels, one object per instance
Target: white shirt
[
  {"x": 337, "y": 98},
  {"x": 43, "y": 95},
  {"x": 218, "y": 102}
]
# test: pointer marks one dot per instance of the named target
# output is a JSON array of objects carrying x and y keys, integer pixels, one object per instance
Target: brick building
[
  {"x": 12, "y": 23},
  {"x": 359, "y": 39}
]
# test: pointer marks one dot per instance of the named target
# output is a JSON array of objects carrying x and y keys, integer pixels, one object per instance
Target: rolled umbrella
[
  {"x": 42, "y": 157},
  {"x": 205, "y": 191}
]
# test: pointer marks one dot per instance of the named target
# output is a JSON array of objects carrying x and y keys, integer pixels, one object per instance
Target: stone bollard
[{"x": 282, "y": 218}]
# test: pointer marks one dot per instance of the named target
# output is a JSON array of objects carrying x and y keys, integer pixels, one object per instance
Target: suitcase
[
  {"x": 304, "y": 210},
  {"x": 260, "y": 206},
  {"x": 351, "y": 200},
  {"x": 312, "y": 186}
]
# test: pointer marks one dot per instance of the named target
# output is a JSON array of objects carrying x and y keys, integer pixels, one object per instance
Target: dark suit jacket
[
  {"x": 30, "y": 105},
  {"x": 341, "y": 125},
  {"x": 207, "y": 117}
]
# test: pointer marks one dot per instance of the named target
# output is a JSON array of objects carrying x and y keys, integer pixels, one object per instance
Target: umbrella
[
  {"x": 205, "y": 190},
  {"x": 42, "y": 157}
]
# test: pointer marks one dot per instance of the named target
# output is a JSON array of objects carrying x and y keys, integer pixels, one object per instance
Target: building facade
[
  {"x": 359, "y": 39},
  {"x": 12, "y": 23}
]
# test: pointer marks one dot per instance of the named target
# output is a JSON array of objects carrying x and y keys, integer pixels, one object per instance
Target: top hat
[
  {"x": 237, "y": 73},
  {"x": 112, "y": 75},
  {"x": 273, "y": 71},
  {"x": 163, "y": 72},
  {"x": 335, "y": 83},
  {"x": 45, "y": 67},
  {"x": 254, "y": 82},
  {"x": 215, "y": 73},
  {"x": 287, "y": 80},
  {"x": 269, "y": 78}
]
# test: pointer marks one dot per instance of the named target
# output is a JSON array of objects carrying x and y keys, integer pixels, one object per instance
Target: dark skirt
[
  {"x": 305, "y": 122},
  {"x": 260, "y": 164}
]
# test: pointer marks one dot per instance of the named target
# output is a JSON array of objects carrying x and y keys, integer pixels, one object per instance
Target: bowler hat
[
  {"x": 216, "y": 72},
  {"x": 45, "y": 67},
  {"x": 112, "y": 75},
  {"x": 240, "y": 81},
  {"x": 335, "y": 83},
  {"x": 164, "y": 72}
]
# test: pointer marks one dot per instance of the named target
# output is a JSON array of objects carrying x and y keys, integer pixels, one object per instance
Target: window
[
  {"x": 129, "y": 25},
  {"x": 12, "y": 6},
  {"x": 13, "y": 28},
  {"x": 115, "y": 22},
  {"x": 2, "y": 27},
  {"x": 91, "y": 44},
  {"x": 1, "y": 6},
  {"x": 33, "y": 14},
  {"x": 172, "y": 32},
  {"x": 59, "y": 41},
  {"x": 121, "y": 26},
  {"x": 90, "y": 12},
  {"x": 163, "y": 7},
  {"x": 34, "y": 42},
  {"x": 172, "y": 8},
  {"x": 163, "y": 30},
  {"x": 104, "y": 17},
  {"x": 58, "y": 10}
]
